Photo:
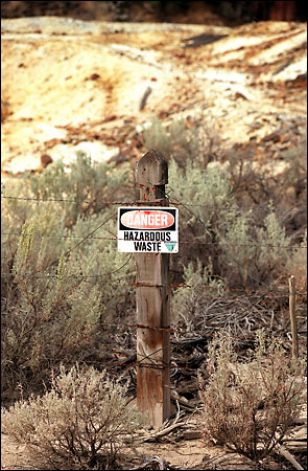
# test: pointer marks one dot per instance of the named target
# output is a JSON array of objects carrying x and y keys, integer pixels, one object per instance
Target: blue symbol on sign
[{"x": 170, "y": 245}]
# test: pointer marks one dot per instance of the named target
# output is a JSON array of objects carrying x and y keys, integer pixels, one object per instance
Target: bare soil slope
[{"x": 68, "y": 84}]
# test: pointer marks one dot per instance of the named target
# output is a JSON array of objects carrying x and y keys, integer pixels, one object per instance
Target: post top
[{"x": 152, "y": 169}]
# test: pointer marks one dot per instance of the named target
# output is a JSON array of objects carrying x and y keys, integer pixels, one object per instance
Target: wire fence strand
[
  {"x": 103, "y": 202},
  {"x": 91, "y": 236},
  {"x": 144, "y": 203},
  {"x": 272, "y": 293},
  {"x": 184, "y": 242},
  {"x": 64, "y": 200}
]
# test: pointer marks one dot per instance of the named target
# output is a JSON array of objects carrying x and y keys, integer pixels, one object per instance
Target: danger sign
[{"x": 148, "y": 230}]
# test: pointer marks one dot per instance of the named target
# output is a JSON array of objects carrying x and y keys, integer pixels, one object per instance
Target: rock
[{"x": 46, "y": 160}]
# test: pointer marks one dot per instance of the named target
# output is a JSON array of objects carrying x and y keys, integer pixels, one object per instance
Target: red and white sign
[
  {"x": 147, "y": 219},
  {"x": 148, "y": 229}
]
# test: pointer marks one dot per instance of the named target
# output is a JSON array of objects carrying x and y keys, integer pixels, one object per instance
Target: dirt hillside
[{"x": 69, "y": 85}]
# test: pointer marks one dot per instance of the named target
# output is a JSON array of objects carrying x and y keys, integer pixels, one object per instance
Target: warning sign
[{"x": 148, "y": 230}]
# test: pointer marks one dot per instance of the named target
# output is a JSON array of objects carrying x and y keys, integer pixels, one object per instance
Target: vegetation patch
[
  {"x": 82, "y": 422},
  {"x": 249, "y": 407}
]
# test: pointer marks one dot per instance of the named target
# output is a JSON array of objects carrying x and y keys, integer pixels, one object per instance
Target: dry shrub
[
  {"x": 250, "y": 407},
  {"x": 81, "y": 423}
]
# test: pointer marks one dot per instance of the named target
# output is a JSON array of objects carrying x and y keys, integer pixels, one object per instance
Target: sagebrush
[
  {"x": 249, "y": 407},
  {"x": 190, "y": 301},
  {"x": 64, "y": 285},
  {"x": 184, "y": 141},
  {"x": 83, "y": 422},
  {"x": 222, "y": 235}
]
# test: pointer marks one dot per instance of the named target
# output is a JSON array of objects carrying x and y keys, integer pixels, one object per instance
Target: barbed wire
[
  {"x": 272, "y": 293},
  {"x": 144, "y": 203},
  {"x": 71, "y": 275},
  {"x": 90, "y": 236},
  {"x": 252, "y": 292},
  {"x": 107, "y": 202},
  {"x": 104, "y": 202},
  {"x": 64, "y": 200},
  {"x": 185, "y": 242}
]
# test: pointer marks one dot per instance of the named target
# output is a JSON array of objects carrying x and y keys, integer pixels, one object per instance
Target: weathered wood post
[
  {"x": 293, "y": 318},
  {"x": 153, "y": 317}
]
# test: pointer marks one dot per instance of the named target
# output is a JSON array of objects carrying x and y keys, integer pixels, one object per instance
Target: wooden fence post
[
  {"x": 293, "y": 316},
  {"x": 153, "y": 311}
]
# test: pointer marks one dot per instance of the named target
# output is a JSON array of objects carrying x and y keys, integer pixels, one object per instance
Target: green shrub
[
  {"x": 198, "y": 291},
  {"x": 91, "y": 184},
  {"x": 206, "y": 204},
  {"x": 206, "y": 191},
  {"x": 183, "y": 141},
  {"x": 156, "y": 137},
  {"x": 81, "y": 423},
  {"x": 58, "y": 298},
  {"x": 88, "y": 183},
  {"x": 295, "y": 178},
  {"x": 251, "y": 255},
  {"x": 250, "y": 407},
  {"x": 61, "y": 289},
  {"x": 229, "y": 239}
]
